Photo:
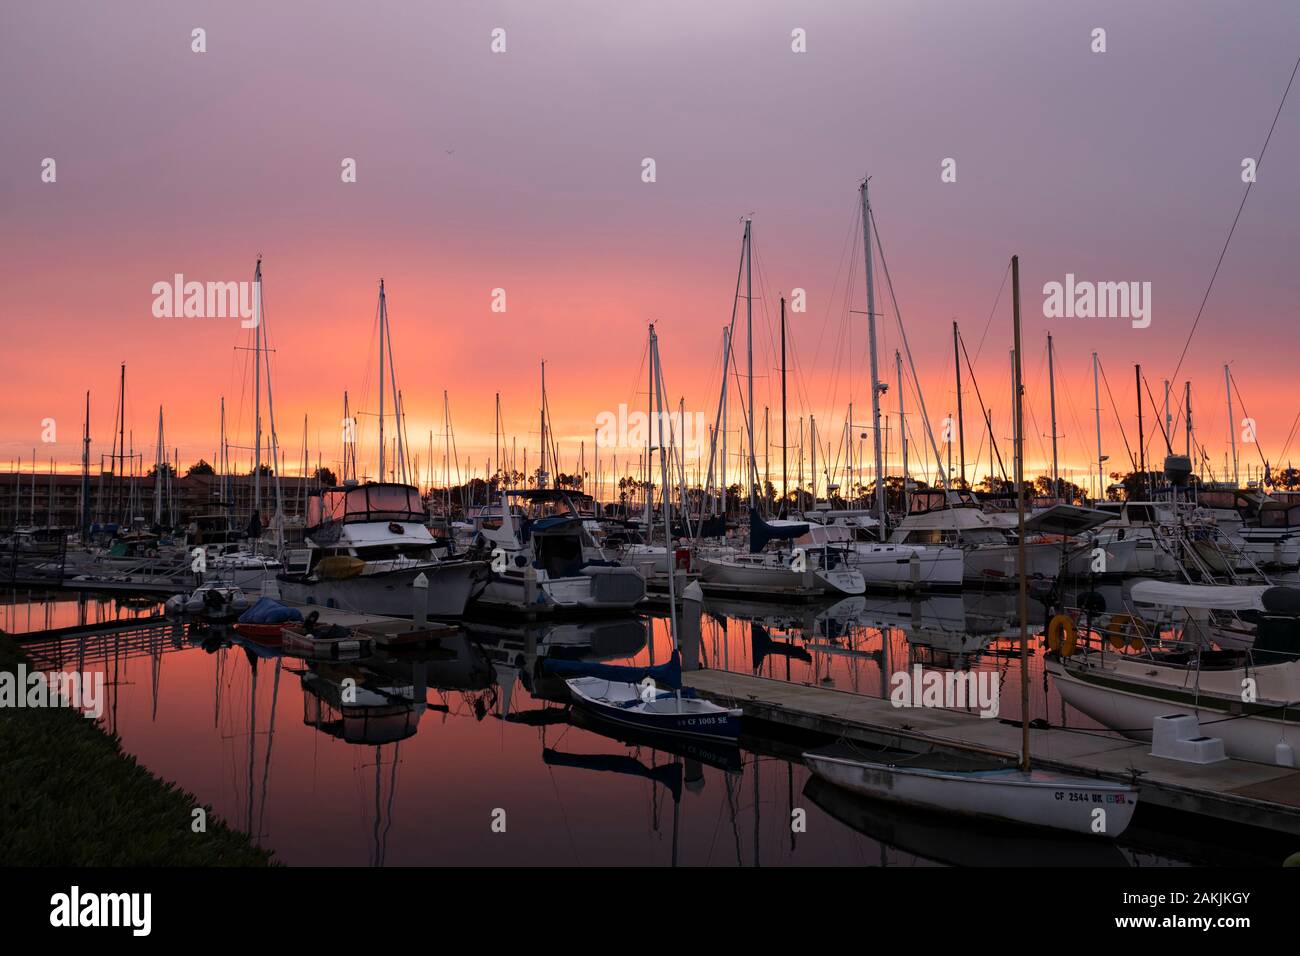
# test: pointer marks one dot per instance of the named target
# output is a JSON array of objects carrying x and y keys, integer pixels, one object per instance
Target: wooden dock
[{"x": 1232, "y": 791}]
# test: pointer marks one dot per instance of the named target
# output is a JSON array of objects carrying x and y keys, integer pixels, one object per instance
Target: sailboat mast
[
  {"x": 961, "y": 418},
  {"x": 85, "y": 471},
  {"x": 785, "y": 478},
  {"x": 1051, "y": 388},
  {"x": 1096, "y": 399},
  {"x": 382, "y": 323},
  {"x": 541, "y": 474},
  {"x": 1020, "y": 522},
  {"x": 257, "y": 388},
  {"x": 1142, "y": 445},
  {"x": 749, "y": 343},
  {"x": 875, "y": 374},
  {"x": 902, "y": 432},
  {"x": 1232, "y": 427}
]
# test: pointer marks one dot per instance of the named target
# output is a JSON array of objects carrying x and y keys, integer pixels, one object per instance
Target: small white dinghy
[
  {"x": 974, "y": 787},
  {"x": 647, "y": 707},
  {"x": 216, "y": 602}
]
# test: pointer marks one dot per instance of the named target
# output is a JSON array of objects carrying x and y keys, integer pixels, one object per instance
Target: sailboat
[
  {"x": 974, "y": 785},
  {"x": 651, "y": 698}
]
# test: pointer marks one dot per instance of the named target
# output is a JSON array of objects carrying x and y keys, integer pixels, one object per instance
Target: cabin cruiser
[
  {"x": 883, "y": 564},
  {"x": 990, "y": 544},
  {"x": 368, "y": 544},
  {"x": 1156, "y": 675},
  {"x": 820, "y": 567},
  {"x": 1139, "y": 538},
  {"x": 548, "y": 560}
]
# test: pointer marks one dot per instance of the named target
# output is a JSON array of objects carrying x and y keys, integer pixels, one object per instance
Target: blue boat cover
[
  {"x": 760, "y": 532},
  {"x": 664, "y": 675},
  {"x": 270, "y": 611}
]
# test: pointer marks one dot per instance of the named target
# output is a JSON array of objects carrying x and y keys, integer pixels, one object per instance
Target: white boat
[
  {"x": 1181, "y": 673},
  {"x": 979, "y": 788},
  {"x": 989, "y": 546},
  {"x": 881, "y": 564},
  {"x": 368, "y": 544},
  {"x": 547, "y": 560},
  {"x": 820, "y": 568},
  {"x": 216, "y": 602},
  {"x": 655, "y": 709}
]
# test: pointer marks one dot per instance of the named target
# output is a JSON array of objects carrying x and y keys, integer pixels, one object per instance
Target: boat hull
[
  {"x": 892, "y": 565},
  {"x": 1052, "y": 801},
  {"x": 621, "y": 704},
  {"x": 451, "y": 585}
]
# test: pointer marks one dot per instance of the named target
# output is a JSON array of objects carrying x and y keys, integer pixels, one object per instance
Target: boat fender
[{"x": 1058, "y": 624}]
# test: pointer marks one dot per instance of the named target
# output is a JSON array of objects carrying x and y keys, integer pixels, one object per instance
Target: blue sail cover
[
  {"x": 664, "y": 675},
  {"x": 760, "y": 532}
]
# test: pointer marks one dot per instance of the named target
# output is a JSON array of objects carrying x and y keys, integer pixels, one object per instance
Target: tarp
[
  {"x": 664, "y": 675},
  {"x": 1224, "y": 597},
  {"x": 270, "y": 611}
]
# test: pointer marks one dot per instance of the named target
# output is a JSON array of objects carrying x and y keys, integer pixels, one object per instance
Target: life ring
[
  {"x": 1059, "y": 623},
  {"x": 1127, "y": 630}
]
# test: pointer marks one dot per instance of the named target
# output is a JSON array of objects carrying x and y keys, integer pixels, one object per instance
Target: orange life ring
[{"x": 1059, "y": 623}]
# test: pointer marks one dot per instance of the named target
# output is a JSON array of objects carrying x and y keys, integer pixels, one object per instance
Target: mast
[
  {"x": 1096, "y": 399},
  {"x": 1142, "y": 451},
  {"x": 1187, "y": 403},
  {"x": 875, "y": 377},
  {"x": 1020, "y": 523},
  {"x": 158, "y": 472},
  {"x": 749, "y": 342},
  {"x": 902, "y": 432},
  {"x": 785, "y": 478},
  {"x": 541, "y": 474},
  {"x": 812, "y": 441},
  {"x": 961, "y": 418},
  {"x": 382, "y": 323},
  {"x": 257, "y": 389},
  {"x": 1051, "y": 387},
  {"x": 85, "y": 471},
  {"x": 726, "y": 371},
  {"x": 1232, "y": 426}
]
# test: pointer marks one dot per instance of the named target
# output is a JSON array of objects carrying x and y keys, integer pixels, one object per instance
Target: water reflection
[{"x": 402, "y": 758}]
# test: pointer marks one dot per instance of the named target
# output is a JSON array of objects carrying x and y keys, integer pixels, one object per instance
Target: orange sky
[{"x": 522, "y": 172}]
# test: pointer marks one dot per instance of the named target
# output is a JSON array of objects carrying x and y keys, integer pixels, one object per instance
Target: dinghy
[{"x": 973, "y": 787}]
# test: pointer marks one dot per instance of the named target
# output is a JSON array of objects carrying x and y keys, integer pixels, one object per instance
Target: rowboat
[{"x": 976, "y": 787}]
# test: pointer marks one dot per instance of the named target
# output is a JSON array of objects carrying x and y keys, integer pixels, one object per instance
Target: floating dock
[{"x": 1232, "y": 791}]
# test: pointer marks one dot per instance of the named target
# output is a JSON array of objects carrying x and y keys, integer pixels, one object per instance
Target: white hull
[
  {"x": 892, "y": 565},
  {"x": 451, "y": 584},
  {"x": 756, "y": 572},
  {"x": 999, "y": 562},
  {"x": 1132, "y": 707},
  {"x": 596, "y": 589},
  {"x": 1036, "y": 798}
]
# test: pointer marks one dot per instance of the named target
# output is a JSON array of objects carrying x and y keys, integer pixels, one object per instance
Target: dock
[{"x": 1231, "y": 791}]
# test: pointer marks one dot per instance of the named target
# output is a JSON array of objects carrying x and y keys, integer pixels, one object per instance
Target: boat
[
  {"x": 368, "y": 544},
  {"x": 882, "y": 564},
  {"x": 548, "y": 560},
  {"x": 975, "y": 785},
  {"x": 216, "y": 602},
  {"x": 1226, "y": 640},
  {"x": 822, "y": 568},
  {"x": 634, "y": 696}
]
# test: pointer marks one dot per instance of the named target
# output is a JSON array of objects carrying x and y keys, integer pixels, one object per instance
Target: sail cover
[
  {"x": 761, "y": 532},
  {"x": 664, "y": 675},
  {"x": 1225, "y": 597}
]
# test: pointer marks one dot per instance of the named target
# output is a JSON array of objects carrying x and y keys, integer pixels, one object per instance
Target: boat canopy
[
  {"x": 1066, "y": 520},
  {"x": 664, "y": 675},
  {"x": 1224, "y": 597},
  {"x": 376, "y": 501}
]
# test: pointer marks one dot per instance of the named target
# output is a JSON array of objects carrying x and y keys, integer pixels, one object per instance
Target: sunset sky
[{"x": 522, "y": 170}]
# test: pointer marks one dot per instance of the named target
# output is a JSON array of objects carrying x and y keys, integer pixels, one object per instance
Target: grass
[{"x": 69, "y": 796}]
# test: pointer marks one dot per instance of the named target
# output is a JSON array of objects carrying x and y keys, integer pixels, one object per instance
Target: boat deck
[{"x": 1234, "y": 791}]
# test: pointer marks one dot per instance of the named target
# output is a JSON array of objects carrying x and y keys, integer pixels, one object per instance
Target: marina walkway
[{"x": 1234, "y": 791}]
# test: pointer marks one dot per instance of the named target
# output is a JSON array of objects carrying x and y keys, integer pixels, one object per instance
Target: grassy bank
[{"x": 69, "y": 796}]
